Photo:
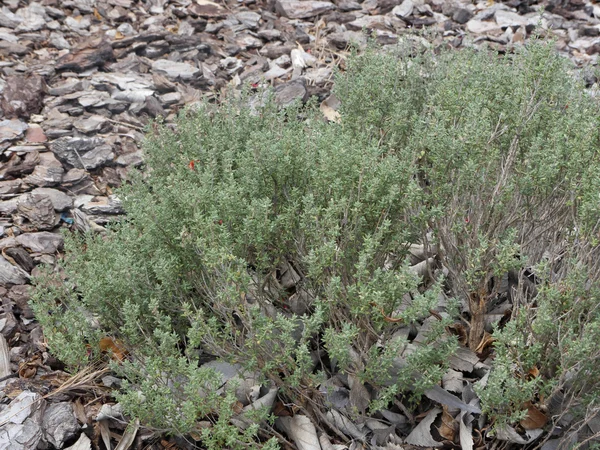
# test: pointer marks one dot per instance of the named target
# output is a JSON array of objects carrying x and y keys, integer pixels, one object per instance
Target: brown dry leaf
[
  {"x": 115, "y": 346},
  {"x": 535, "y": 418},
  {"x": 533, "y": 373},
  {"x": 79, "y": 411},
  {"x": 12, "y": 390},
  {"x": 238, "y": 407},
  {"x": 28, "y": 369},
  {"x": 460, "y": 332},
  {"x": 280, "y": 410},
  {"x": 448, "y": 427},
  {"x": 119, "y": 35},
  {"x": 168, "y": 445},
  {"x": 97, "y": 15}
]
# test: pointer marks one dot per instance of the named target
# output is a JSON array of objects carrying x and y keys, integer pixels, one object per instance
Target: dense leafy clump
[{"x": 269, "y": 238}]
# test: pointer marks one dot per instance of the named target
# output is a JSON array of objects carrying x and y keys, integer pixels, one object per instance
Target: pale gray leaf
[
  {"x": 83, "y": 443},
  {"x": 345, "y": 425},
  {"x": 508, "y": 433},
  {"x": 453, "y": 381},
  {"x": 421, "y": 435},
  {"x": 129, "y": 435},
  {"x": 422, "y": 269},
  {"x": 464, "y": 360},
  {"x": 359, "y": 395},
  {"x": 266, "y": 401},
  {"x": 327, "y": 445},
  {"x": 437, "y": 394},
  {"x": 225, "y": 369},
  {"x": 4, "y": 357},
  {"x": 302, "y": 431},
  {"x": 394, "y": 418},
  {"x": 109, "y": 411},
  {"x": 466, "y": 430}
]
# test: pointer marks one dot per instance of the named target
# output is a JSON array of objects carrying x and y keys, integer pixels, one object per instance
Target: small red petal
[{"x": 191, "y": 165}]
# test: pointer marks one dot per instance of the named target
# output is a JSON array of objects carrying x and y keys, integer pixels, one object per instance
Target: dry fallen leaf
[
  {"x": 533, "y": 373},
  {"x": 280, "y": 410},
  {"x": 448, "y": 427},
  {"x": 359, "y": 395},
  {"x": 330, "y": 114},
  {"x": 422, "y": 269},
  {"x": 83, "y": 443},
  {"x": 302, "y": 431},
  {"x": 453, "y": 381},
  {"x": 459, "y": 330},
  {"x": 465, "y": 432},
  {"x": 28, "y": 369},
  {"x": 421, "y": 435},
  {"x": 535, "y": 418},
  {"x": 508, "y": 433},
  {"x": 129, "y": 435},
  {"x": 114, "y": 346}
]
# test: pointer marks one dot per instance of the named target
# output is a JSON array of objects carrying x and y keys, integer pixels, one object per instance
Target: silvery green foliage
[{"x": 491, "y": 161}]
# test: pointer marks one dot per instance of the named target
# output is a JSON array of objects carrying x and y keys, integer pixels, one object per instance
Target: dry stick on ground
[{"x": 79, "y": 380}]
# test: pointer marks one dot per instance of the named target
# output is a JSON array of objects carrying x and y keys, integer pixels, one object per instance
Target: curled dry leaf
[
  {"x": 449, "y": 426},
  {"x": 533, "y": 373},
  {"x": 422, "y": 269},
  {"x": 302, "y": 431},
  {"x": 266, "y": 401},
  {"x": 485, "y": 343},
  {"x": 453, "y": 381},
  {"x": 28, "y": 369},
  {"x": 327, "y": 445},
  {"x": 465, "y": 433},
  {"x": 104, "y": 433},
  {"x": 83, "y": 443},
  {"x": 421, "y": 435}
]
